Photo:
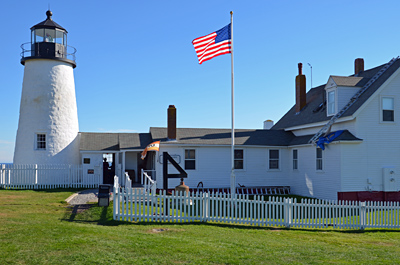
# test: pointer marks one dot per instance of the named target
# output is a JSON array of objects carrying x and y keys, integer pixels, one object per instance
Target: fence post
[
  {"x": 205, "y": 207},
  {"x": 115, "y": 198},
  {"x": 36, "y": 173},
  {"x": 362, "y": 215},
  {"x": 2, "y": 175},
  {"x": 288, "y": 212}
]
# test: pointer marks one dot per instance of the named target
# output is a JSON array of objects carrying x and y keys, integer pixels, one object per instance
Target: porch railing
[{"x": 148, "y": 183}]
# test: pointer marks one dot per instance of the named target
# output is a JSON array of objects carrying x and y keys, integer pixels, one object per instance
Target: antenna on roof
[{"x": 311, "y": 73}]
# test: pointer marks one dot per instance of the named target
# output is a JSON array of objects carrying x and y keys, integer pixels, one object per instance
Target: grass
[{"x": 38, "y": 227}]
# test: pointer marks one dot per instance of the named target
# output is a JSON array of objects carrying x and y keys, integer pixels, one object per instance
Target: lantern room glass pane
[
  {"x": 49, "y": 35},
  {"x": 65, "y": 39},
  {"x": 39, "y": 34},
  {"x": 59, "y": 37}
]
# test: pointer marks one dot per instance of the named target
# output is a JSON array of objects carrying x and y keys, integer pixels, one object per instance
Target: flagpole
[{"x": 233, "y": 177}]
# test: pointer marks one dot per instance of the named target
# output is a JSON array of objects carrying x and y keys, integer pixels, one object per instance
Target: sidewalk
[{"x": 84, "y": 197}]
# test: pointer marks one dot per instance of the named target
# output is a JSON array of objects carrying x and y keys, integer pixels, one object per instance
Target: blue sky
[{"x": 134, "y": 58}]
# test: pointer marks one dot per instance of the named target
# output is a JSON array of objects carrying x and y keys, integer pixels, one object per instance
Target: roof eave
[{"x": 318, "y": 124}]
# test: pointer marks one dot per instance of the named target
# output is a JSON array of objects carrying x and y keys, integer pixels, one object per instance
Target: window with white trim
[
  {"x": 273, "y": 159},
  {"x": 295, "y": 159},
  {"x": 387, "y": 109},
  {"x": 40, "y": 141},
  {"x": 331, "y": 103},
  {"x": 319, "y": 159},
  {"x": 239, "y": 159},
  {"x": 190, "y": 159}
]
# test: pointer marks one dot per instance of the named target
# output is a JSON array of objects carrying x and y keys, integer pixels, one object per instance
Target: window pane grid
[
  {"x": 238, "y": 159},
  {"x": 41, "y": 141},
  {"x": 273, "y": 159},
  {"x": 331, "y": 102},
  {"x": 387, "y": 109},
  {"x": 319, "y": 159},
  {"x": 190, "y": 159},
  {"x": 295, "y": 164}
]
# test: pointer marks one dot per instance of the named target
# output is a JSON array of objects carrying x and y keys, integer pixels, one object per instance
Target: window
[
  {"x": 331, "y": 103},
  {"x": 190, "y": 159},
  {"x": 295, "y": 161},
  {"x": 319, "y": 159},
  {"x": 387, "y": 109},
  {"x": 273, "y": 159},
  {"x": 238, "y": 159},
  {"x": 40, "y": 141},
  {"x": 86, "y": 161}
]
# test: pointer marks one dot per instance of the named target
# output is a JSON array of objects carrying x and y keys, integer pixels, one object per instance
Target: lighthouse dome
[{"x": 48, "y": 41}]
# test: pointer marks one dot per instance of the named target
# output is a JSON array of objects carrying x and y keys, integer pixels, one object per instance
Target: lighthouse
[{"x": 48, "y": 118}]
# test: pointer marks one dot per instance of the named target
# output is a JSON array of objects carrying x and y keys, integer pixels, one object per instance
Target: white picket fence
[
  {"x": 47, "y": 177},
  {"x": 142, "y": 206}
]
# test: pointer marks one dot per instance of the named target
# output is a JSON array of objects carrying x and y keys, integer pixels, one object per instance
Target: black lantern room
[{"x": 48, "y": 41}]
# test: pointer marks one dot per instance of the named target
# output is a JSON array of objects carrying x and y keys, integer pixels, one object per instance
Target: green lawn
[{"x": 37, "y": 227}]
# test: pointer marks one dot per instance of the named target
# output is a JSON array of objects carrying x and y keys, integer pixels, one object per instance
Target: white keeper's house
[{"x": 339, "y": 141}]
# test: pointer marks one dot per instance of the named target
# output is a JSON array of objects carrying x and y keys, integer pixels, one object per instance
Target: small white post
[
  {"x": 205, "y": 207},
  {"x": 362, "y": 215},
  {"x": 115, "y": 198},
  {"x": 288, "y": 212},
  {"x": 2, "y": 175},
  {"x": 36, "y": 173}
]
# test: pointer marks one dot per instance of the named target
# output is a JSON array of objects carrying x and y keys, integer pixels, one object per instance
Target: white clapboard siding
[
  {"x": 141, "y": 206},
  {"x": 213, "y": 167},
  {"x": 310, "y": 182},
  {"x": 47, "y": 177},
  {"x": 380, "y": 147}
]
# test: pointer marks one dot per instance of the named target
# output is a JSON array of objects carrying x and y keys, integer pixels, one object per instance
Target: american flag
[{"x": 214, "y": 44}]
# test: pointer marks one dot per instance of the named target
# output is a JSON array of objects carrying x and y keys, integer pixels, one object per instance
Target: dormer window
[
  {"x": 339, "y": 90},
  {"x": 331, "y": 103}
]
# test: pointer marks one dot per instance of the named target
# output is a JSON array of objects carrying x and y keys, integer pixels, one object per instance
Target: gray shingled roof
[
  {"x": 113, "y": 141},
  {"x": 195, "y": 136},
  {"x": 348, "y": 80},
  {"x": 315, "y": 109},
  {"x": 345, "y": 136},
  {"x": 134, "y": 140},
  {"x": 201, "y": 136},
  {"x": 99, "y": 141}
]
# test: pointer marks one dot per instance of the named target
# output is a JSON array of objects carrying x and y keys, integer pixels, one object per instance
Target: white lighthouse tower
[{"x": 48, "y": 118}]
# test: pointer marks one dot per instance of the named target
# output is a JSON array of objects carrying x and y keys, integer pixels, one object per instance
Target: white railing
[
  {"x": 47, "y": 177},
  {"x": 149, "y": 185},
  {"x": 277, "y": 211}
]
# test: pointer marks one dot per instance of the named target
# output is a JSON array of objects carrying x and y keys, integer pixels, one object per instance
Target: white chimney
[{"x": 268, "y": 124}]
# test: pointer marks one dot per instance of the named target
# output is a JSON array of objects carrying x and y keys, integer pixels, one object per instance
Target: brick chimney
[
  {"x": 358, "y": 65},
  {"x": 300, "y": 89},
  {"x": 171, "y": 122}
]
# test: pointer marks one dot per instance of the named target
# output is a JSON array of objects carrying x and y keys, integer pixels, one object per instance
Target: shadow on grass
[
  {"x": 93, "y": 214},
  {"x": 271, "y": 228}
]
